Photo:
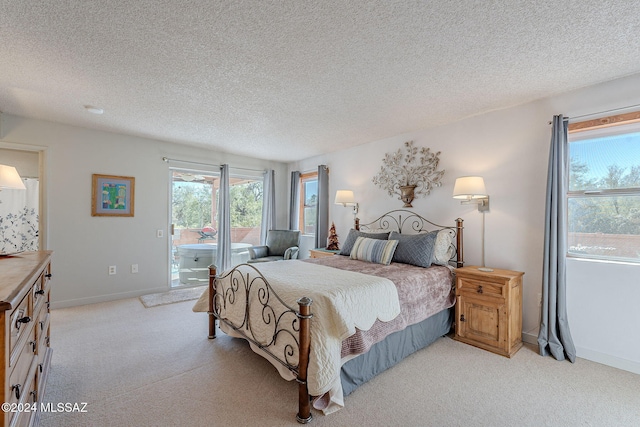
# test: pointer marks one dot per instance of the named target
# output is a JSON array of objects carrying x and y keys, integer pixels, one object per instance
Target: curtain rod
[
  {"x": 601, "y": 112},
  {"x": 167, "y": 160}
]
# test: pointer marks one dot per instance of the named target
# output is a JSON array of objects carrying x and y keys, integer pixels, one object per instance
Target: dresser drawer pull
[
  {"x": 25, "y": 319},
  {"x": 462, "y": 319},
  {"x": 17, "y": 390},
  {"x": 41, "y": 325},
  {"x": 34, "y": 395},
  {"x": 48, "y": 275},
  {"x": 40, "y": 292},
  {"x": 33, "y": 346},
  {"x": 480, "y": 289},
  {"x": 40, "y": 367}
]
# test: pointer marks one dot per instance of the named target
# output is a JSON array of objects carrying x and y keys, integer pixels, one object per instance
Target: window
[
  {"x": 603, "y": 198},
  {"x": 308, "y": 202}
]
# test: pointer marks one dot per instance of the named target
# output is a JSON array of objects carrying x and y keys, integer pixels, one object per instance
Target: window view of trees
[
  {"x": 308, "y": 201},
  {"x": 604, "y": 202},
  {"x": 191, "y": 204},
  {"x": 246, "y": 204}
]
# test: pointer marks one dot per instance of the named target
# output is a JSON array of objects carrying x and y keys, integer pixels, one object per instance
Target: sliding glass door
[{"x": 194, "y": 221}]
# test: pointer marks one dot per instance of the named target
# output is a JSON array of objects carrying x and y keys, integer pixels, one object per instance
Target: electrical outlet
[
  {"x": 112, "y": 270},
  {"x": 134, "y": 268}
]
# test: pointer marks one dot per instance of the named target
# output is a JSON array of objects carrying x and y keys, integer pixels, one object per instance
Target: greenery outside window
[
  {"x": 308, "y": 202},
  {"x": 603, "y": 197}
]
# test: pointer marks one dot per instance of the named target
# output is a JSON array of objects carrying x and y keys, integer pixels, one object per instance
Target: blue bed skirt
[{"x": 393, "y": 349}]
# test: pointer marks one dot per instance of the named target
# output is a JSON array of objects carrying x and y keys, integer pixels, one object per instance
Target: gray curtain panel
[
  {"x": 293, "y": 200},
  {"x": 268, "y": 205},
  {"x": 322, "y": 208},
  {"x": 554, "y": 337},
  {"x": 224, "y": 221}
]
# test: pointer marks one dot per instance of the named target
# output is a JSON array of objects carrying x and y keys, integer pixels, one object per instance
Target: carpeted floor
[
  {"x": 139, "y": 367},
  {"x": 170, "y": 297}
]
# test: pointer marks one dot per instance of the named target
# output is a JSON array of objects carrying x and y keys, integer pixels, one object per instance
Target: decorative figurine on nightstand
[{"x": 333, "y": 239}]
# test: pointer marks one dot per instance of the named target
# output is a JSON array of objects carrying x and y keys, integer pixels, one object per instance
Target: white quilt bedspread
[{"x": 342, "y": 301}]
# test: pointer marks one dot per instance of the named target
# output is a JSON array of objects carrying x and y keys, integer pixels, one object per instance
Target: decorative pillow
[
  {"x": 374, "y": 250},
  {"x": 354, "y": 234},
  {"x": 444, "y": 249},
  {"x": 414, "y": 249}
]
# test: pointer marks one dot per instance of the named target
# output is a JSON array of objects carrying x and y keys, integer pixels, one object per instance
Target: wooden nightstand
[
  {"x": 321, "y": 253},
  {"x": 489, "y": 309}
]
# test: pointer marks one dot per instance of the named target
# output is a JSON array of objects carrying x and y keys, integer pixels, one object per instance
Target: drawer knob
[
  {"x": 16, "y": 388},
  {"x": 25, "y": 319},
  {"x": 462, "y": 319},
  {"x": 480, "y": 289},
  {"x": 48, "y": 275},
  {"x": 40, "y": 292}
]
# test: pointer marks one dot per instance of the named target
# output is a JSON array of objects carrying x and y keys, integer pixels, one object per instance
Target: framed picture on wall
[{"x": 112, "y": 195}]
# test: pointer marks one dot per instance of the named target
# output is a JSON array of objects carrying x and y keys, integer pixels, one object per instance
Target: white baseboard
[
  {"x": 105, "y": 298},
  {"x": 609, "y": 360},
  {"x": 530, "y": 338},
  {"x": 594, "y": 356}
]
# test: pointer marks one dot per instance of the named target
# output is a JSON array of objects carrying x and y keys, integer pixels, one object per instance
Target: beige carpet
[
  {"x": 170, "y": 297},
  {"x": 139, "y": 367}
]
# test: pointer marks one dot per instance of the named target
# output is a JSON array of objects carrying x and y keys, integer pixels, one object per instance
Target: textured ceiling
[{"x": 286, "y": 80}]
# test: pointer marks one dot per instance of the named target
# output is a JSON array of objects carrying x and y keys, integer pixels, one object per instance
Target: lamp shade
[
  {"x": 469, "y": 187},
  {"x": 10, "y": 179},
  {"x": 345, "y": 197}
]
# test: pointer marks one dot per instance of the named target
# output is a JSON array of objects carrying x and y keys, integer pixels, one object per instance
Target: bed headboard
[{"x": 412, "y": 223}]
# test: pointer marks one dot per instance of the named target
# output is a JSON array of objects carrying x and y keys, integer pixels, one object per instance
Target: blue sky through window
[{"x": 600, "y": 153}]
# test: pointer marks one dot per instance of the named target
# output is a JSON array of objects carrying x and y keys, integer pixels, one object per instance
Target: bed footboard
[{"x": 243, "y": 300}]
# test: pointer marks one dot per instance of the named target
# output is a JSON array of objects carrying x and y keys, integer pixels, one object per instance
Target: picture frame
[{"x": 112, "y": 195}]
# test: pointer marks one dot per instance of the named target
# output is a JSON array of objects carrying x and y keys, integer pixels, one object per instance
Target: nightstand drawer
[{"x": 482, "y": 287}]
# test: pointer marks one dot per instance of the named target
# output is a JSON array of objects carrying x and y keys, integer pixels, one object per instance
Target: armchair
[{"x": 280, "y": 245}]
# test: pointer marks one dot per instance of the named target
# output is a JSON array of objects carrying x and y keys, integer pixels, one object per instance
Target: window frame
[
  {"x": 609, "y": 124},
  {"x": 305, "y": 178}
]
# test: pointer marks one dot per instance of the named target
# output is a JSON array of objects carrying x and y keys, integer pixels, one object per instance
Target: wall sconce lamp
[
  {"x": 346, "y": 198},
  {"x": 10, "y": 179},
  {"x": 471, "y": 190}
]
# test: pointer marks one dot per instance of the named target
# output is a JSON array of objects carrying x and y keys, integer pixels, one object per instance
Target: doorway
[{"x": 194, "y": 222}]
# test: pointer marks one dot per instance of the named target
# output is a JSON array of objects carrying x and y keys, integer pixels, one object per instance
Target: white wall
[
  {"x": 509, "y": 148},
  {"x": 84, "y": 246}
]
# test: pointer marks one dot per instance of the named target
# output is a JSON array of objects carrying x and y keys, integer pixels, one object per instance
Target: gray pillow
[
  {"x": 414, "y": 249},
  {"x": 354, "y": 234}
]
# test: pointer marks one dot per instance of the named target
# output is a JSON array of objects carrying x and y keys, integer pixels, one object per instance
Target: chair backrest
[{"x": 278, "y": 241}]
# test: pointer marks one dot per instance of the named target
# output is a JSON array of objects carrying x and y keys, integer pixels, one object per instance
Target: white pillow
[{"x": 444, "y": 249}]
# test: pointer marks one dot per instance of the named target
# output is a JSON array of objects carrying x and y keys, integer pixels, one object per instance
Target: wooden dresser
[
  {"x": 489, "y": 309},
  {"x": 26, "y": 354}
]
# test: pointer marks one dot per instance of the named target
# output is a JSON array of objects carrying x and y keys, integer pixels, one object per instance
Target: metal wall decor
[{"x": 411, "y": 174}]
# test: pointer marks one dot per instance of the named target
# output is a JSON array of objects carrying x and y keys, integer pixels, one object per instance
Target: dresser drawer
[
  {"x": 42, "y": 335},
  {"x": 21, "y": 321},
  {"x": 472, "y": 286},
  {"x": 42, "y": 325},
  {"x": 28, "y": 396},
  {"x": 40, "y": 291},
  {"x": 19, "y": 375}
]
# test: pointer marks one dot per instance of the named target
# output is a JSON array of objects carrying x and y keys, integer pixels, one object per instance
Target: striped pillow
[{"x": 374, "y": 250}]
